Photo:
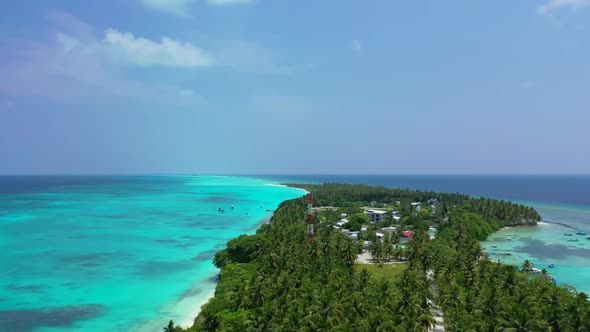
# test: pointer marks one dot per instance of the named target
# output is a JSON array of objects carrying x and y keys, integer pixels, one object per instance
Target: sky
[{"x": 295, "y": 87}]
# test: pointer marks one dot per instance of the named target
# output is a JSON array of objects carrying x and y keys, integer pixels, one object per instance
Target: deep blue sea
[{"x": 101, "y": 253}]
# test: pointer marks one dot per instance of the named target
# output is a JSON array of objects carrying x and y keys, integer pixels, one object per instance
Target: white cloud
[
  {"x": 145, "y": 52},
  {"x": 172, "y": 7},
  {"x": 228, "y": 2},
  {"x": 553, "y": 5},
  {"x": 79, "y": 68},
  {"x": 68, "y": 22},
  {"x": 67, "y": 42},
  {"x": 356, "y": 45}
]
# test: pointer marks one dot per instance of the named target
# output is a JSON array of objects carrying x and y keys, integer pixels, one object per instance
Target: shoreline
[{"x": 190, "y": 318}]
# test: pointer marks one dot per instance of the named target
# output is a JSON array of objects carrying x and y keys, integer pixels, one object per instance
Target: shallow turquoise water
[
  {"x": 119, "y": 253},
  {"x": 546, "y": 244}
]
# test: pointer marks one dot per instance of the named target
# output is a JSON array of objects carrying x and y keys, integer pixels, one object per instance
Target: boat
[
  {"x": 580, "y": 233},
  {"x": 588, "y": 237},
  {"x": 572, "y": 240},
  {"x": 568, "y": 234},
  {"x": 509, "y": 238},
  {"x": 551, "y": 265},
  {"x": 494, "y": 246}
]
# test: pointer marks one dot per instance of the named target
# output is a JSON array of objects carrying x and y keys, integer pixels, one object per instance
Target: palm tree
[
  {"x": 170, "y": 327},
  {"x": 349, "y": 253},
  {"x": 527, "y": 266}
]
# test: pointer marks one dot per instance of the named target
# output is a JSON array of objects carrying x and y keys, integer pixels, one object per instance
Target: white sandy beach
[{"x": 188, "y": 319}]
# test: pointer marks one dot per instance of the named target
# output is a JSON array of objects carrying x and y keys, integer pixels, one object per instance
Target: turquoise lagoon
[
  {"x": 118, "y": 253},
  {"x": 547, "y": 244}
]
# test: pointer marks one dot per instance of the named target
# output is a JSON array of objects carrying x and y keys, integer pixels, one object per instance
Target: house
[
  {"x": 388, "y": 229},
  {"x": 395, "y": 216},
  {"x": 364, "y": 228},
  {"x": 416, "y": 205},
  {"x": 352, "y": 235},
  {"x": 407, "y": 233},
  {"x": 342, "y": 222},
  {"x": 376, "y": 215}
]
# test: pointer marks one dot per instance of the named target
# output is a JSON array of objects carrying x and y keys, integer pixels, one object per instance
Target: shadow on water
[
  {"x": 25, "y": 288},
  {"x": 206, "y": 255},
  {"x": 32, "y": 319},
  {"x": 541, "y": 250},
  {"x": 159, "y": 268}
]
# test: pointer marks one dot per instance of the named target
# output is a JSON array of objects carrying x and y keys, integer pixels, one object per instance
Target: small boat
[
  {"x": 568, "y": 234},
  {"x": 509, "y": 238},
  {"x": 580, "y": 233},
  {"x": 551, "y": 265},
  {"x": 572, "y": 240},
  {"x": 588, "y": 237},
  {"x": 494, "y": 246},
  {"x": 232, "y": 207}
]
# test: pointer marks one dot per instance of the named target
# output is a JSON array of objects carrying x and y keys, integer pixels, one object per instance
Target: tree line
[{"x": 277, "y": 280}]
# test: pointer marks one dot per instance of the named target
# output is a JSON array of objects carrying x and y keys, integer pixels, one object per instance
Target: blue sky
[{"x": 276, "y": 86}]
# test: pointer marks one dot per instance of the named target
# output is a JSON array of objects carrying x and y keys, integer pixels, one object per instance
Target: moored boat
[
  {"x": 572, "y": 240},
  {"x": 568, "y": 234},
  {"x": 551, "y": 265}
]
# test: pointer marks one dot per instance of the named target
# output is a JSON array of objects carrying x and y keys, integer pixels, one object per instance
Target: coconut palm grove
[{"x": 278, "y": 280}]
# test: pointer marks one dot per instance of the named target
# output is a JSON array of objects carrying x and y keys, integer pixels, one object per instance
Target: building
[
  {"x": 342, "y": 222},
  {"x": 388, "y": 229},
  {"x": 376, "y": 215},
  {"x": 395, "y": 216},
  {"x": 416, "y": 205}
]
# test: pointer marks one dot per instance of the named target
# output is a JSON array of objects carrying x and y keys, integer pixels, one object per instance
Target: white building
[
  {"x": 395, "y": 216},
  {"x": 342, "y": 222},
  {"x": 388, "y": 229},
  {"x": 416, "y": 205},
  {"x": 376, "y": 215}
]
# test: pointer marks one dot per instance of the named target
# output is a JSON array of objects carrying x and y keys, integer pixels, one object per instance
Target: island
[{"x": 384, "y": 260}]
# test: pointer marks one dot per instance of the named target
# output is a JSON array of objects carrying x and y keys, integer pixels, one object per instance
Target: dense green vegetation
[
  {"x": 497, "y": 212},
  {"x": 277, "y": 280},
  {"x": 479, "y": 295}
]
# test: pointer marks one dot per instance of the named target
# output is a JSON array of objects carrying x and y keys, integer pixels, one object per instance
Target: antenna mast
[{"x": 309, "y": 217}]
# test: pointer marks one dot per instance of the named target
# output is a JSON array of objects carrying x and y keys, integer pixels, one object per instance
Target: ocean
[
  {"x": 98, "y": 253},
  {"x": 562, "y": 201},
  {"x": 126, "y": 253}
]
